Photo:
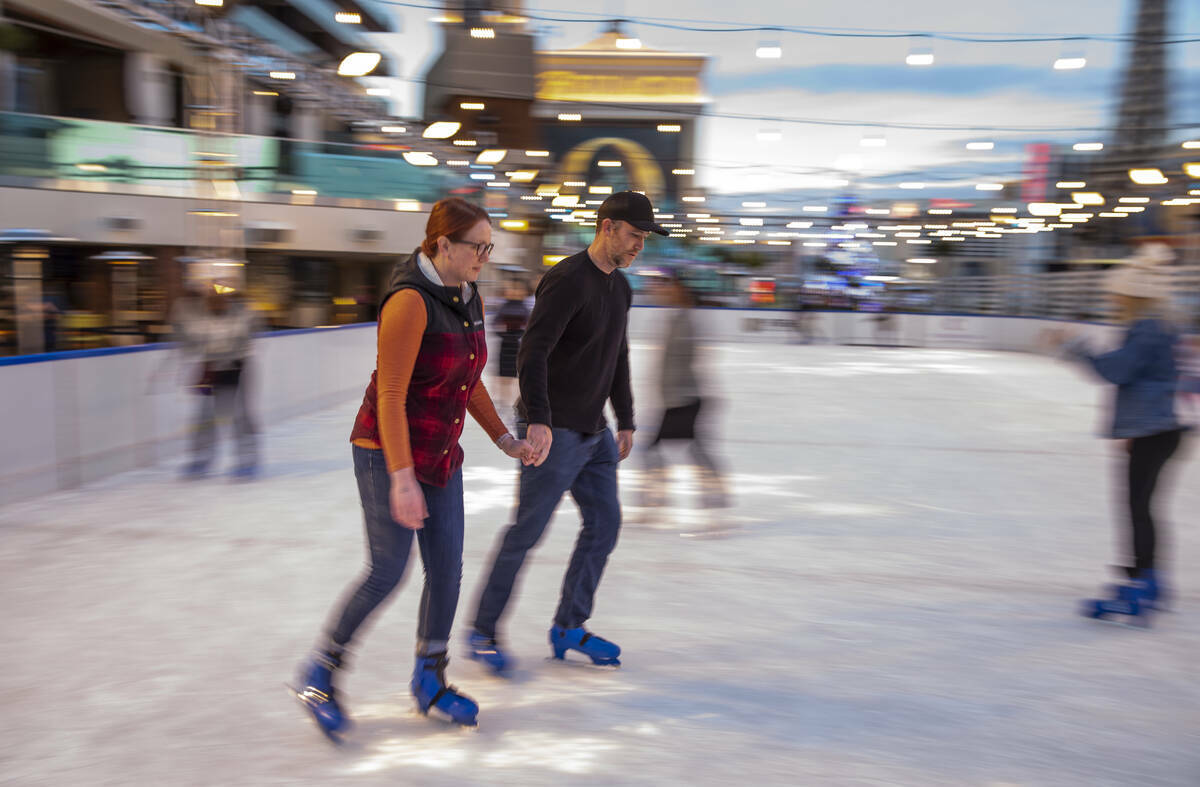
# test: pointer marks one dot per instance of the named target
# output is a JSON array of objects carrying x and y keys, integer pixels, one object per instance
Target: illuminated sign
[{"x": 577, "y": 86}]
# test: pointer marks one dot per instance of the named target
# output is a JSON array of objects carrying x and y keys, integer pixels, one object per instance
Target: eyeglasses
[{"x": 481, "y": 249}]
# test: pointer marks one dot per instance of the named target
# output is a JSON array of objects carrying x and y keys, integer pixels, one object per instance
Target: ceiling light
[
  {"x": 471, "y": 105},
  {"x": 683, "y": 172},
  {"x": 629, "y": 43},
  {"x": 981, "y": 145},
  {"x": 608, "y": 163},
  {"x": 1088, "y": 197},
  {"x": 1088, "y": 146},
  {"x": 491, "y": 156},
  {"x": 754, "y": 204},
  {"x": 442, "y": 129},
  {"x": 537, "y": 153},
  {"x": 570, "y": 116},
  {"x": 919, "y": 59},
  {"x": 1147, "y": 176},
  {"x": 393, "y": 129},
  {"x": 989, "y": 186},
  {"x": 1069, "y": 63},
  {"x": 283, "y": 75},
  {"x": 482, "y": 32},
  {"x": 769, "y": 51},
  {"x": 359, "y": 64},
  {"x": 348, "y": 18},
  {"x": 419, "y": 158},
  {"x": 670, "y": 128}
]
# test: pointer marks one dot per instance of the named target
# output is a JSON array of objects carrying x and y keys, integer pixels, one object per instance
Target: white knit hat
[{"x": 1144, "y": 275}]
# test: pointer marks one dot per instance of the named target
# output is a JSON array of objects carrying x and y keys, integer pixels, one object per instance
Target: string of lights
[{"x": 726, "y": 27}]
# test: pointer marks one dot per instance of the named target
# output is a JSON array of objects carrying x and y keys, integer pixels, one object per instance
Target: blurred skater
[
  {"x": 510, "y": 323},
  {"x": 1145, "y": 372},
  {"x": 683, "y": 400}
]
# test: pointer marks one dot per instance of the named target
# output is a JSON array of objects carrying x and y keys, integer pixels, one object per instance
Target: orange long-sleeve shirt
[{"x": 401, "y": 326}]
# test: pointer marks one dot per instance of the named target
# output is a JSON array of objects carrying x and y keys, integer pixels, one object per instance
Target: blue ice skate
[
  {"x": 431, "y": 692},
  {"x": 318, "y": 695},
  {"x": 1129, "y": 600},
  {"x": 599, "y": 650},
  {"x": 485, "y": 649}
]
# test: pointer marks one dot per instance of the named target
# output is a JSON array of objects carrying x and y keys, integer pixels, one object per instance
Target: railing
[{"x": 125, "y": 158}]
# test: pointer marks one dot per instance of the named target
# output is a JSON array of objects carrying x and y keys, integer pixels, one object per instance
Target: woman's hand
[
  {"x": 406, "y": 500},
  {"x": 517, "y": 449}
]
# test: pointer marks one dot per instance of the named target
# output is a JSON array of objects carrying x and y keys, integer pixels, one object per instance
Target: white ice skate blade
[{"x": 583, "y": 662}]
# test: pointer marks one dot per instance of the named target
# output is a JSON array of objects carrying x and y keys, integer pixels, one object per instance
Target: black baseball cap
[{"x": 633, "y": 207}]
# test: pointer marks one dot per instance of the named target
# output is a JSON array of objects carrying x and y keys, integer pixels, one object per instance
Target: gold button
[
  {"x": 446, "y": 451},
  {"x": 455, "y": 299},
  {"x": 456, "y": 420},
  {"x": 463, "y": 388},
  {"x": 472, "y": 356},
  {"x": 466, "y": 325}
]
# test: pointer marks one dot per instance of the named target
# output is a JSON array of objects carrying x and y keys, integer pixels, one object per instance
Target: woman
[
  {"x": 1146, "y": 375},
  {"x": 432, "y": 350}
]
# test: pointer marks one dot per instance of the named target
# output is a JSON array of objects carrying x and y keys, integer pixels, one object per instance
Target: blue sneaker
[
  {"x": 318, "y": 694},
  {"x": 599, "y": 650},
  {"x": 431, "y": 691},
  {"x": 483, "y": 648}
]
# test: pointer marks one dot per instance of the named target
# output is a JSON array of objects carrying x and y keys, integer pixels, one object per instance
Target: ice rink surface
[{"x": 892, "y": 601}]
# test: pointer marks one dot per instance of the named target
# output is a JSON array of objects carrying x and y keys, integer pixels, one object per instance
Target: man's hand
[
  {"x": 625, "y": 442},
  {"x": 539, "y": 438},
  {"x": 406, "y": 500}
]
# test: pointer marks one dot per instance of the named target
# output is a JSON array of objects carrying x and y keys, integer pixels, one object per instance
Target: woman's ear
[{"x": 443, "y": 245}]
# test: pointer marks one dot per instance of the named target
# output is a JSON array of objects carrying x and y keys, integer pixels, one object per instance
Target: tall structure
[{"x": 1142, "y": 114}]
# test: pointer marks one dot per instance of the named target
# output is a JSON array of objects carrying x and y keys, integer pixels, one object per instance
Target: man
[{"x": 573, "y": 358}]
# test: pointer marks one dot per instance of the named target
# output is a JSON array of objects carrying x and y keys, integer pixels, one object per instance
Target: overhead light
[
  {"x": 522, "y": 175},
  {"x": 441, "y": 129},
  {"x": 629, "y": 43},
  {"x": 465, "y": 143},
  {"x": 940, "y": 212},
  {"x": 989, "y": 186},
  {"x": 305, "y": 192},
  {"x": 670, "y": 128},
  {"x": 565, "y": 201},
  {"x": 1069, "y": 63},
  {"x": 1147, "y": 176},
  {"x": 491, "y": 156},
  {"x": 1128, "y": 209},
  {"x": 1192, "y": 169},
  {"x": 570, "y": 117},
  {"x": 266, "y": 92},
  {"x": 608, "y": 163},
  {"x": 483, "y": 176},
  {"x": 912, "y": 185},
  {"x": 814, "y": 208},
  {"x": 407, "y": 205},
  {"x": 873, "y": 142},
  {"x": 921, "y": 260},
  {"x": 748, "y": 222},
  {"x": 754, "y": 204},
  {"x": 1134, "y": 200},
  {"x": 283, "y": 75},
  {"x": 599, "y": 189},
  {"x": 683, "y": 172},
  {"x": 919, "y": 59},
  {"x": 482, "y": 32},
  {"x": 537, "y": 153},
  {"x": 91, "y": 167},
  {"x": 1084, "y": 146},
  {"x": 1088, "y": 197},
  {"x": 1191, "y": 144},
  {"x": 419, "y": 158},
  {"x": 457, "y": 162},
  {"x": 471, "y": 105},
  {"x": 379, "y": 91},
  {"x": 393, "y": 129},
  {"x": 211, "y": 3},
  {"x": 359, "y": 64},
  {"x": 981, "y": 145},
  {"x": 769, "y": 51},
  {"x": 693, "y": 199},
  {"x": 348, "y": 18},
  {"x": 574, "y": 184},
  {"x": 1070, "y": 184},
  {"x": 1044, "y": 208},
  {"x": 514, "y": 225}
]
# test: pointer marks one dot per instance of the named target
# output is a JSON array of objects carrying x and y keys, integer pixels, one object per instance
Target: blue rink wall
[{"x": 75, "y": 417}]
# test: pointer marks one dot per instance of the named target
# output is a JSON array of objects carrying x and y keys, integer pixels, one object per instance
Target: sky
[{"x": 865, "y": 80}]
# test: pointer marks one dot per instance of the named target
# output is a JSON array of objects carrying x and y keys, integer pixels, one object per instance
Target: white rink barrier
[{"x": 76, "y": 417}]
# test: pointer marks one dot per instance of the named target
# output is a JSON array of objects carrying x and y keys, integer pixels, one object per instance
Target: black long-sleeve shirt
[{"x": 574, "y": 354}]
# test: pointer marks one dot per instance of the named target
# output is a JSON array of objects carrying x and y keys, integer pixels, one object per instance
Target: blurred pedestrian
[
  {"x": 573, "y": 359},
  {"x": 215, "y": 328},
  {"x": 683, "y": 400},
  {"x": 1145, "y": 371},
  {"x": 510, "y": 323},
  {"x": 431, "y": 353}
]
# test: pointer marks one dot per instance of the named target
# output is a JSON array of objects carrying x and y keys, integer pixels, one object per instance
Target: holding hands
[{"x": 517, "y": 449}]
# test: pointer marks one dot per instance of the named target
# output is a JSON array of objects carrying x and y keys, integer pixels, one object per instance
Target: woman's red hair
[{"x": 450, "y": 217}]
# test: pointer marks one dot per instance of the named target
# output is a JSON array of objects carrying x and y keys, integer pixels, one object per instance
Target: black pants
[{"x": 1147, "y": 457}]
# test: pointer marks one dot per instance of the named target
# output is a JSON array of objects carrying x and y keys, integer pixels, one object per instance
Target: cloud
[{"x": 947, "y": 80}]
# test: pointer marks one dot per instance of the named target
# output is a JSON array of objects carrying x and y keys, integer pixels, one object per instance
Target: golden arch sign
[{"x": 644, "y": 172}]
